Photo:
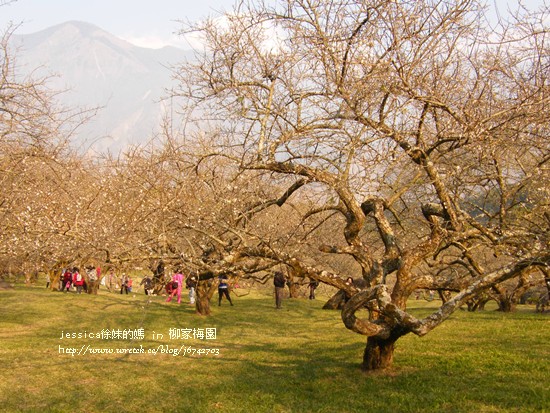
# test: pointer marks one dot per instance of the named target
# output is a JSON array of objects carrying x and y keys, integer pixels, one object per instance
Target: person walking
[
  {"x": 124, "y": 284},
  {"x": 279, "y": 283},
  {"x": 223, "y": 289},
  {"x": 313, "y": 284}
]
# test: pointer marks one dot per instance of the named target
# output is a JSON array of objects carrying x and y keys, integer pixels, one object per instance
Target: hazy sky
[{"x": 150, "y": 23}]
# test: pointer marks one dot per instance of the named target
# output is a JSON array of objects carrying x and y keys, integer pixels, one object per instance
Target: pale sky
[{"x": 148, "y": 23}]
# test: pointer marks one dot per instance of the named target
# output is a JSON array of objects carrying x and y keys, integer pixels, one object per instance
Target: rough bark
[
  {"x": 478, "y": 303},
  {"x": 206, "y": 287},
  {"x": 506, "y": 305},
  {"x": 293, "y": 289},
  {"x": 336, "y": 301},
  {"x": 378, "y": 354},
  {"x": 202, "y": 299},
  {"x": 93, "y": 286},
  {"x": 55, "y": 276}
]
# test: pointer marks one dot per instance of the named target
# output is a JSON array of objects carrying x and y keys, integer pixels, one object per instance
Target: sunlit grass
[{"x": 298, "y": 359}]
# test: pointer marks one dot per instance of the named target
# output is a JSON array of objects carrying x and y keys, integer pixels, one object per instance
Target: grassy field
[{"x": 298, "y": 359}]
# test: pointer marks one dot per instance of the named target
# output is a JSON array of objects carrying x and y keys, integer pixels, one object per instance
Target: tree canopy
[{"x": 416, "y": 131}]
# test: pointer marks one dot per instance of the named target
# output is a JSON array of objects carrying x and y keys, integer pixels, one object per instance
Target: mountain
[{"x": 99, "y": 69}]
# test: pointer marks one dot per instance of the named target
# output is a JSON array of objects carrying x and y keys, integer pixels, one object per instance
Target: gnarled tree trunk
[
  {"x": 506, "y": 305},
  {"x": 506, "y": 302},
  {"x": 378, "y": 354},
  {"x": 203, "y": 294},
  {"x": 55, "y": 276},
  {"x": 293, "y": 289},
  {"x": 478, "y": 303},
  {"x": 202, "y": 300},
  {"x": 336, "y": 301}
]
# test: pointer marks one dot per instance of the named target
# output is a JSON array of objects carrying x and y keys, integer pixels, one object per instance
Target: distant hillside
[{"x": 100, "y": 69}]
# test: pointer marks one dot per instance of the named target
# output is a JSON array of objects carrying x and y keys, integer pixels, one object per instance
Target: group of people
[
  {"x": 279, "y": 282},
  {"x": 124, "y": 284},
  {"x": 73, "y": 278},
  {"x": 174, "y": 287}
]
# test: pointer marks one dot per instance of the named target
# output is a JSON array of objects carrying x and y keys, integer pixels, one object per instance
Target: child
[{"x": 67, "y": 280}]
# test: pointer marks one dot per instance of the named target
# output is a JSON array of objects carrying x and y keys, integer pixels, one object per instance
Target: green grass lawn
[{"x": 298, "y": 359}]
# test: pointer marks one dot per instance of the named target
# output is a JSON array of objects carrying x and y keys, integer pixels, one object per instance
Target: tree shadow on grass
[{"x": 299, "y": 359}]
